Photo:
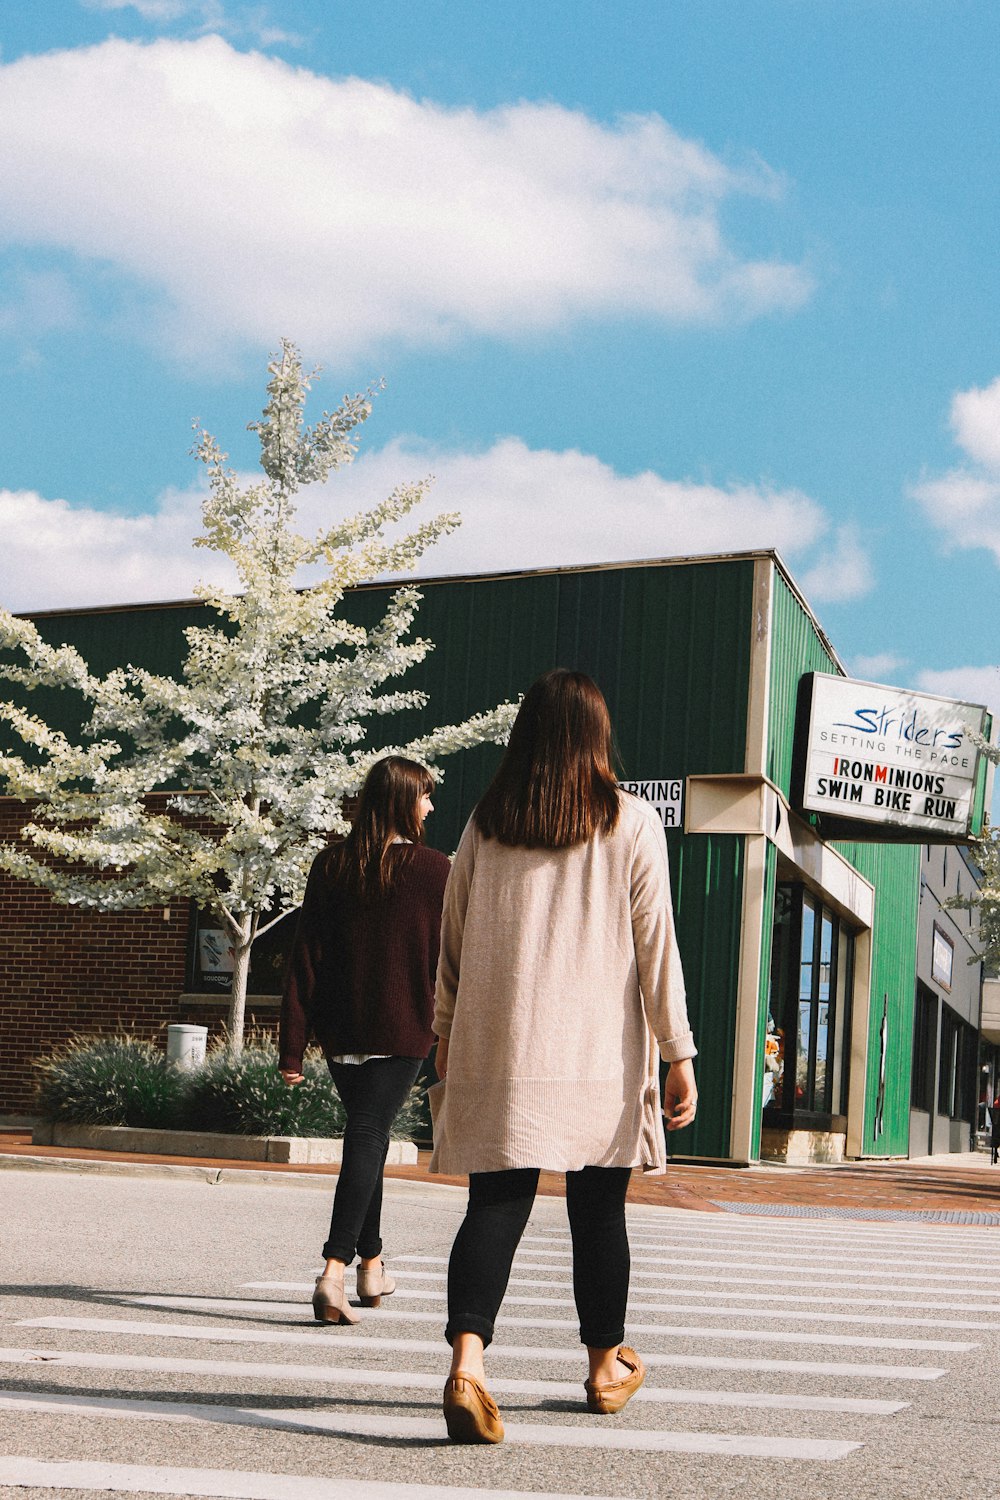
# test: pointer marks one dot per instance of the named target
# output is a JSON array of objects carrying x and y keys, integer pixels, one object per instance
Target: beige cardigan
[{"x": 559, "y": 975}]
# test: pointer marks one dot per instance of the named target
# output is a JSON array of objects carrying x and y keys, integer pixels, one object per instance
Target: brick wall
[{"x": 66, "y": 971}]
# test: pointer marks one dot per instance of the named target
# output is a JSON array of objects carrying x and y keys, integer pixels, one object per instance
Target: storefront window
[
  {"x": 957, "y": 1066},
  {"x": 808, "y": 1022},
  {"x": 924, "y": 1049}
]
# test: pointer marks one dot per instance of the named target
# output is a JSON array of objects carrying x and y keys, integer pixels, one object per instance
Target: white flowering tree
[
  {"x": 272, "y": 721},
  {"x": 986, "y": 900}
]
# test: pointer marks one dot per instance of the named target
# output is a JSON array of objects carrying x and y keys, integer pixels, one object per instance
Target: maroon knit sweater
[{"x": 360, "y": 977}]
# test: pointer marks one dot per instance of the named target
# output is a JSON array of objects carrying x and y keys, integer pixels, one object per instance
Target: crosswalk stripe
[
  {"x": 651, "y": 1330},
  {"x": 802, "y": 1273},
  {"x": 437, "y": 1294},
  {"x": 752, "y": 1256},
  {"x": 431, "y": 1428},
  {"x": 349, "y": 1338},
  {"x": 666, "y": 1288},
  {"x": 754, "y": 1281},
  {"x": 414, "y": 1380},
  {"x": 801, "y": 1233},
  {"x": 827, "y": 1231},
  {"x": 235, "y": 1484},
  {"x": 772, "y": 1266},
  {"x": 694, "y": 1287}
]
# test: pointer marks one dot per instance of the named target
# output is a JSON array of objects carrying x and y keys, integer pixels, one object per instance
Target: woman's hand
[
  {"x": 680, "y": 1095},
  {"x": 441, "y": 1058},
  {"x": 291, "y": 1077}
]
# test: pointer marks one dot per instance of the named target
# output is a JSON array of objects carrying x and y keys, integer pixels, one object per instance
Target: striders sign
[{"x": 884, "y": 755}]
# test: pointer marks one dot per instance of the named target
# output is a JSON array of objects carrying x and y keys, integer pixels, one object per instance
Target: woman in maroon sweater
[{"x": 361, "y": 980}]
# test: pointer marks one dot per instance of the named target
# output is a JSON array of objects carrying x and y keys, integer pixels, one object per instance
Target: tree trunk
[{"x": 238, "y": 996}]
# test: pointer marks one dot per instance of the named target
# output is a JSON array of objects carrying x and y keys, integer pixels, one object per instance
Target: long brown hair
[
  {"x": 556, "y": 785},
  {"x": 388, "y": 806}
]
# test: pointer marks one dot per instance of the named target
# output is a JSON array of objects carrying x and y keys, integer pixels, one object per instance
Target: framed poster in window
[{"x": 942, "y": 959}]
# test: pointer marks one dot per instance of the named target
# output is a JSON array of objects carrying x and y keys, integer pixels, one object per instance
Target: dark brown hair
[
  {"x": 368, "y": 860},
  {"x": 556, "y": 785}
]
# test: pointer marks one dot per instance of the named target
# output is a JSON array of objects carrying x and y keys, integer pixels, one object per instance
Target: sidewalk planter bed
[
  {"x": 119, "y": 1093},
  {"x": 288, "y": 1148}
]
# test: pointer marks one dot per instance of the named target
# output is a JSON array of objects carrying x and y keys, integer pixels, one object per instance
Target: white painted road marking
[
  {"x": 754, "y": 1255},
  {"x": 437, "y": 1294},
  {"x": 236, "y": 1484},
  {"x": 771, "y": 1265},
  {"x": 948, "y": 1282},
  {"x": 349, "y": 1339},
  {"x": 431, "y": 1429},
  {"x": 788, "y": 1227},
  {"x": 403, "y": 1380},
  {"x": 666, "y": 1289},
  {"x": 652, "y": 1330}
]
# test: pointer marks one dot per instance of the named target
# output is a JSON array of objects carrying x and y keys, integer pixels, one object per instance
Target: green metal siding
[
  {"x": 708, "y": 872},
  {"x": 670, "y": 647},
  {"x": 796, "y": 648},
  {"x": 980, "y": 813},
  {"x": 894, "y": 871}
]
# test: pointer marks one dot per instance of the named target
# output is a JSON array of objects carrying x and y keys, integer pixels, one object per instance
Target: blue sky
[{"x": 643, "y": 278}]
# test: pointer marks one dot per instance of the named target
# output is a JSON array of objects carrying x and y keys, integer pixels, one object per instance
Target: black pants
[
  {"x": 372, "y": 1093},
  {"x": 481, "y": 1257}
]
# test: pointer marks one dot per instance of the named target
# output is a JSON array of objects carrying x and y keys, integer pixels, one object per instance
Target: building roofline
[
  {"x": 685, "y": 560},
  {"x": 399, "y": 580},
  {"x": 437, "y": 579}
]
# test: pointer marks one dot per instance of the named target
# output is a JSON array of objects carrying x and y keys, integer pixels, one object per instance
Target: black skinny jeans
[
  {"x": 481, "y": 1257},
  {"x": 372, "y": 1093}
]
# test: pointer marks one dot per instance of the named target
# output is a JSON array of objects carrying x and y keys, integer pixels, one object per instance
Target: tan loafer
[
  {"x": 608, "y": 1396},
  {"x": 330, "y": 1305},
  {"x": 470, "y": 1411},
  {"x": 374, "y": 1283}
]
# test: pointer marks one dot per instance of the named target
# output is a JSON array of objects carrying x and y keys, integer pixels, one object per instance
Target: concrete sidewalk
[{"x": 948, "y": 1189}]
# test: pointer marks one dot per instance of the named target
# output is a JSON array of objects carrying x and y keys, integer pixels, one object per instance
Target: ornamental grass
[
  {"x": 110, "y": 1080},
  {"x": 242, "y": 1093},
  {"x": 122, "y": 1080}
]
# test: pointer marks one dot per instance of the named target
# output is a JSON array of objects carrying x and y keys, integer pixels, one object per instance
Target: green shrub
[
  {"x": 122, "y": 1081},
  {"x": 244, "y": 1094},
  {"x": 413, "y": 1123},
  {"x": 110, "y": 1080}
]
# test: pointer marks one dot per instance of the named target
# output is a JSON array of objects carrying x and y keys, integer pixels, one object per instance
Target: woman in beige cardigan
[{"x": 559, "y": 989}]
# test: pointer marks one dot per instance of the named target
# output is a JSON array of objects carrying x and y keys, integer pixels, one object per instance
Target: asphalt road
[{"x": 158, "y": 1339}]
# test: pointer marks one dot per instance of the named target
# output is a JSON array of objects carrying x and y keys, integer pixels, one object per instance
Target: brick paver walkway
[{"x": 963, "y": 1183}]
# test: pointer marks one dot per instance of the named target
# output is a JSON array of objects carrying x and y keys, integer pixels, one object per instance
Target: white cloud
[
  {"x": 521, "y": 508},
  {"x": 38, "y": 302},
  {"x": 254, "y": 199},
  {"x": 157, "y": 11},
  {"x": 843, "y": 572},
  {"x": 524, "y": 507},
  {"x": 975, "y": 421},
  {"x": 56, "y": 555},
  {"x": 204, "y": 16},
  {"x": 883, "y": 666},
  {"x": 964, "y": 504},
  {"x": 966, "y": 684}
]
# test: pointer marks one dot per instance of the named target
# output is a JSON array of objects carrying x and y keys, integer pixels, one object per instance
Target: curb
[
  {"x": 216, "y": 1146},
  {"x": 210, "y": 1175}
]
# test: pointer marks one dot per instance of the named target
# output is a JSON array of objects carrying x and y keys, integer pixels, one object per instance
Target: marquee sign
[{"x": 887, "y": 756}]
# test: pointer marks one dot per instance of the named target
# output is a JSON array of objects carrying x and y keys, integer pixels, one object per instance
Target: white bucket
[{"x": 186, "y": 1045}]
